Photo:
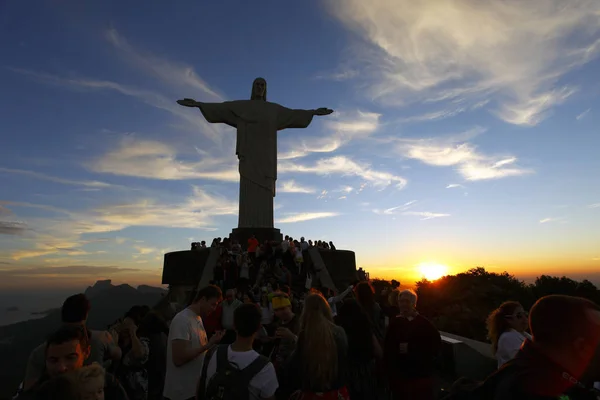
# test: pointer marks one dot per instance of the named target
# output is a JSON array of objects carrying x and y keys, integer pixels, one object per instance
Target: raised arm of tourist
[
  {"x": 110, "y": 339},
  {"x": 139, "y": 350},
  {"x": 340, "y": 297}
]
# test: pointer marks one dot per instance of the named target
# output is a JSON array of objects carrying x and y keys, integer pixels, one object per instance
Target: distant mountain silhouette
[
  {"x": 150, "y": 289},
  {"x": 98, "y": 288},
  {"x": 108, "y": 303}
]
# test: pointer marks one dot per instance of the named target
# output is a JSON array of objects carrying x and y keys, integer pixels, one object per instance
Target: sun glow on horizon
[{"x": 432, "y": 271}]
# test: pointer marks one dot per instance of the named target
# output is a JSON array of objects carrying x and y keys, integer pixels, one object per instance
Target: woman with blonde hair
[
  {"x": 506, "y": 330},
  {"x": 321, "y": 354}
]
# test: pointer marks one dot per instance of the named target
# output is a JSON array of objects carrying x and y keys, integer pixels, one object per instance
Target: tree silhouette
[{"x": 461, "y": 303}]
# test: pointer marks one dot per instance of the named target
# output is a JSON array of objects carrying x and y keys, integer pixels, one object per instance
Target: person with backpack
[{"x": 237, "y": 372}]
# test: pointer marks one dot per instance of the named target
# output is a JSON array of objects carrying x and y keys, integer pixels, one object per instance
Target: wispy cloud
[
  {"x": 12, "y": 228},
  {"x": 395, "y": 210},
  {"x": 551, "y": 219},
  {"x": 300, "y": 217},
  {"x": 595, "y": 205},
  {"x": 342, "y": 74},
  {"x": 152, "y": 98},
  {"x": 176, "y": 74},
  {"x": 456, "y": 152},
  {"x": 342, "y": 128},
  {"x": 433, "y": 116},
  {"x": 71, "y": 270},
  {"x": 292, "y": 187},
  {"x": 517, "y": 51},
  {"x": 344, "y": 166},
  {"x": 455, "y": 185},
  {"x": 157, "y": 160},
  {"x": 425, "y": 214},
  {"x": 5, "y": 211},
  {"x": 583, "y": 114},
  {"x": 39, "y": 175},
  {"x": 63, "y": 235},
  {"x": 145, "y": 250}
]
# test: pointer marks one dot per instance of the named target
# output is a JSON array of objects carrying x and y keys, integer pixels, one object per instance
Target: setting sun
[{"x": 432, "y": 271}]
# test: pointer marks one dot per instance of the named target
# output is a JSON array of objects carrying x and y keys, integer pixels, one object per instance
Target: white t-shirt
[
  {"x": 509, "y": 344},
  {"x": 181, "y": 382},
  {"x": 285, "y": 245},
  {"x": 262, "y": 386}
]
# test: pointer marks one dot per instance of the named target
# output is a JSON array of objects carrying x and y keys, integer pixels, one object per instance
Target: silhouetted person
[
  {"x": 74, "y": 312},
  {"x": 411, "y": 345},
  {"x": 66, "y": 351},
  {"x": 563, "y": 358}
]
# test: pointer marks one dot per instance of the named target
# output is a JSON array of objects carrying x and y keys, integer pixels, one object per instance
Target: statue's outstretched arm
[
  {"x": 188, "y": 103},
  {"x": 322, "y": 111}
]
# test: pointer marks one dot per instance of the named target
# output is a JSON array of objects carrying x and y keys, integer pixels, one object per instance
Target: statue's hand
[
  {"x": 188, "y": 103},
  {"x": 323, "y": 111}
]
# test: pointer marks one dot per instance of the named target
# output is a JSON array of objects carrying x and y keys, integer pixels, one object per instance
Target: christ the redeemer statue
[{"x": 257, "y": 122}]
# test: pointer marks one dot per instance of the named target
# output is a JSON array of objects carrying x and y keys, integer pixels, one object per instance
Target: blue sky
[{"x": 465, "y": 133}]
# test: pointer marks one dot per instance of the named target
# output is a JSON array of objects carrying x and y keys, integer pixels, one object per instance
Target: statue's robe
[{"x": 257, "y": 123}]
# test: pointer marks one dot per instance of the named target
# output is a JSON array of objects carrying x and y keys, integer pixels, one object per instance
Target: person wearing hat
[{"x": 286, "y": 334}]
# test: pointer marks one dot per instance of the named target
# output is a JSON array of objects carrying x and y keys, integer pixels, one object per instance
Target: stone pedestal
[
  {"x": 243, "y": 234},
  {"x": 185, "y": 268}
]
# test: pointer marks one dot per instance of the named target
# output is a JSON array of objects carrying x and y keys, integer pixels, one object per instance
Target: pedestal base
[{"x": 243, "y": 234}]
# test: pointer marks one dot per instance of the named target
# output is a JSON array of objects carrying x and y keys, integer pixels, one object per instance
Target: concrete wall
[{"x": 464, "y": 357}]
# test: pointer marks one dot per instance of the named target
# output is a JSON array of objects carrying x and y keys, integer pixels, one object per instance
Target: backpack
[{"x": 229, "y": 382}]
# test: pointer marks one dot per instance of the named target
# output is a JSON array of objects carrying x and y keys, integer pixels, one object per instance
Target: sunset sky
[{"x": 465, "y": 133}]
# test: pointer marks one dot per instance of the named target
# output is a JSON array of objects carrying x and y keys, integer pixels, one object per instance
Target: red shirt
[
  {"x": 212, "y": 322},
  {"x": 252, "y": 245}
]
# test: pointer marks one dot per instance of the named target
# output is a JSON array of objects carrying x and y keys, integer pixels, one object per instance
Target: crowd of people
[{"x": 253, "y": 334}]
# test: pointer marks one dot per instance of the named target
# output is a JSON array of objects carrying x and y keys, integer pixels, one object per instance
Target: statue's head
[{"x": 259, "y": 89}]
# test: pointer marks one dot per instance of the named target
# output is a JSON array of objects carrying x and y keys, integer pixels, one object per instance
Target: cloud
[
  {"x": 532, "y": 110},
  {"x": 595, "y": 205},
  {"x": 176, "y": 74},
  {"x": 468, "y": 50},
  {"x": 12, "y": 228},
  {"x": 152, "y": 98},
  {"x": 63, "y": 235},
  {"x": 455, "y": 151},
  {"x": 157, "y": 160},
  {"x": 455, "y": 185},
  {"x": 433, "y": 116},
  {"x": 5, "y": 211},
  {"x": 145, "y": 250},
  {"x": 395, "y": 210},
  {"x": 583, "y": 114},
  {"x": 68, "y": 270},
  {"x": 292, "y": 187},
  {"x": 549, "y": 220},
  {"x": 425, "y": 214},
  {"x": 39, "y": 175},
  {"x": 300, "y": 217},
  {"x": 342, "y": 74},
  {"x": 341, "y": 165},
  {"x": 343, "y": 128}
]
